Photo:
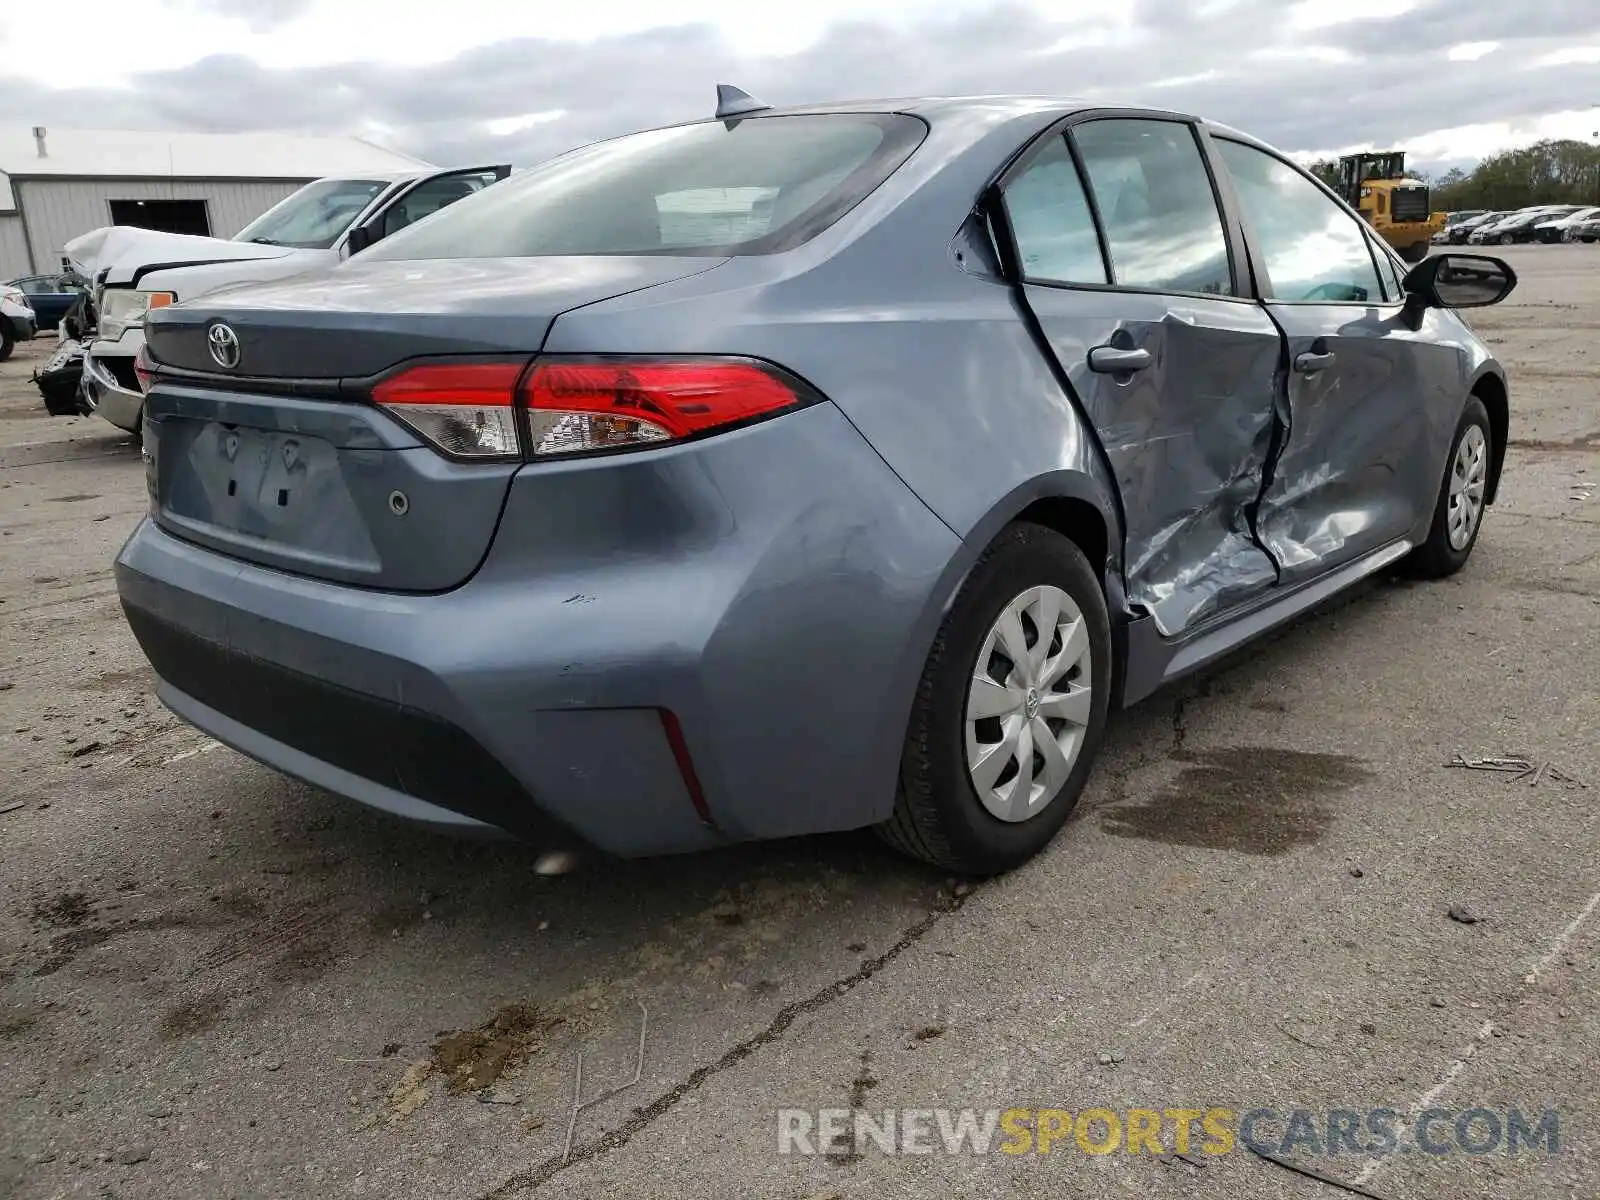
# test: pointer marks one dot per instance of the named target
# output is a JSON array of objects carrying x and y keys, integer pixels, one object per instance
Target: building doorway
[{"x": 165, "y": 216}]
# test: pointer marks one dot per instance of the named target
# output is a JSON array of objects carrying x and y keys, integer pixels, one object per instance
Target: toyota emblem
[{"x": 224, "y": 345}]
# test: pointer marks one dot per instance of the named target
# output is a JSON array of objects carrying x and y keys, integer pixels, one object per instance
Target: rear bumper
[
  {"x": 295, "y": 762},
  {"x": 775, "y": 589}
]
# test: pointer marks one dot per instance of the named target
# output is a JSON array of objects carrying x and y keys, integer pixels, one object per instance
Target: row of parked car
[
  {"x": 34, "y": 304},
  {"x": 1538, "y": 223}
]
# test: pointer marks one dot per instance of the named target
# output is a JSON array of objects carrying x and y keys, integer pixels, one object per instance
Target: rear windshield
[{"x": 762, "y": 185}]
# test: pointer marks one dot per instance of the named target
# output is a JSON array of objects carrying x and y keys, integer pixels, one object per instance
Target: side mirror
[
  {"x": 1459, "y": 281},
  {"x": 361, "y": 237}
]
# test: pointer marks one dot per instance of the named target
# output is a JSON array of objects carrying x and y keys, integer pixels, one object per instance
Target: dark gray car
[{"x": 798, "y": 470}]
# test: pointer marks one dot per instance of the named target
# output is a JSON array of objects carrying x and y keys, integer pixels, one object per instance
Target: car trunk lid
[{"x": 282, "y": 459}]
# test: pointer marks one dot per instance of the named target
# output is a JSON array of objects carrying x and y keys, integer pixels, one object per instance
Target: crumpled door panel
[
  {"x": 1355, "y": 469},
  {"x": 1187, "y": 438}
]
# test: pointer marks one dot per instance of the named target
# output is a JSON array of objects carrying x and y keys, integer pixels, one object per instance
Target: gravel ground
[{"x": 216, "y": 982}]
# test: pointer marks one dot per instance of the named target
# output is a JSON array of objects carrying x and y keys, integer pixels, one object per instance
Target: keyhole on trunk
[
  {"x": 398, "y": 504},
  {"x": 283, "y": 497}
]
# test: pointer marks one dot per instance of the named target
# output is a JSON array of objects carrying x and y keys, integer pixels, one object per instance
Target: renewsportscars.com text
[{"x": 1209, "y": 1131}]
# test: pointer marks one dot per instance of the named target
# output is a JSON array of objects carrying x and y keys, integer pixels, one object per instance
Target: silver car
[{"x": 796, "y": 470}]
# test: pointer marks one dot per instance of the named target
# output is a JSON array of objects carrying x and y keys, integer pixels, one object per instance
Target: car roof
[
  {"x": 931, "y": 106},
  {"x": 991, "y": 110}
]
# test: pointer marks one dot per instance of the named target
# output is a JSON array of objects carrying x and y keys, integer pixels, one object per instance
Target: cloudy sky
[{"x": 495, "y": 80}]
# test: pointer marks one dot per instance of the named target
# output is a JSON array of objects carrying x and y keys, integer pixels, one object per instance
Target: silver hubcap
[
  {"x": 1029, "y": 703},
  {"x": 1468, "y": 475}
]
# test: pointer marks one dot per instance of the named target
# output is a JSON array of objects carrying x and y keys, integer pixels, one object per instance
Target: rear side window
[
  {"x": 1315, "y": 250},
  {"x": 762, "y": 185},
  {"x": 1156, "y": 203},
  {"x": 1050, "y": 219}
]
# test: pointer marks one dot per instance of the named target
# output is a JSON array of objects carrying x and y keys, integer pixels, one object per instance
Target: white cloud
[
  {"x": 1569, "y": 56},
  {"x": 1470, "y": 51},
  {"x": 175, "y": 33},
  {"x": 1466, "y": 142},
  {"x": 502, "y": 126},
  {"x": 1300, "y": 51},
  {"x": 1320, "y": 14},
  {"x": 1184, "y": 80}
]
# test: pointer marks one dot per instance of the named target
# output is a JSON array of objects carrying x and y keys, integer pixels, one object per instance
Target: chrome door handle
[
  {"x": 1310, "y": 363},
  {"x": 1113, "y": 360}
]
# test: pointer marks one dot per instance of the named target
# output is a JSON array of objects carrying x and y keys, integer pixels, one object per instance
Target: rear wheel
[
  {"x": 1415, "y": 253},
  {"x": 1506, "y": 239},
  {"x": 1010, "y": 710},
  {"x": 1458, "y": 514}
]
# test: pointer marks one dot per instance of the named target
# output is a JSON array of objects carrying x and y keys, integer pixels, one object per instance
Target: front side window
[
  {"x": 753, "y": 186},
  {"x": 1314, "y": 250},
  {"x": 1051, "y": 222},
  {"x": 1391, "y": 273},
  {"x": 1163, "y": 227},
  {"x": 315, "y": 216}
]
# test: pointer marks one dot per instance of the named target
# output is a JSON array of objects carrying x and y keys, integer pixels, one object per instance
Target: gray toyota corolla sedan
[{"x": 796, "y": 470}]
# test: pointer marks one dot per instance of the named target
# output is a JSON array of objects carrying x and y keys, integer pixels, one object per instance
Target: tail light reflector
[
  {"x": 581, "y": 405},
  {"x": 143, "y": 369},
  {"x": 680, "y": 755},
  {"x": 467, "y": 409}
]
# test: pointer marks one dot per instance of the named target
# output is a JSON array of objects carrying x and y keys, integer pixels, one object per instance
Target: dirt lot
[{"x": 217, "y": 982}]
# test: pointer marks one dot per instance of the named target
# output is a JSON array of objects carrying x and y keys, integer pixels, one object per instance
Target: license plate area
[
  {"x": 265, "y": 479},
  {"x": 278, "y": 495},
  {"x": 327, "y": 489}
]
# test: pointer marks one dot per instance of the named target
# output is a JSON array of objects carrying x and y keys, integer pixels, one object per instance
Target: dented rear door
[{"x": 1187, "y": 438}]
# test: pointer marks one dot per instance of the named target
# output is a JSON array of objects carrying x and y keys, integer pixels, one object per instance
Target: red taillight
[
  {"x": 577, "y": 405},
  {"x": 466, "y": 409},
  {"x": 143, "y": 369}
]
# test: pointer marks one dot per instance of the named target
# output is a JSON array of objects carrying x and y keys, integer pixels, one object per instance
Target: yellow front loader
[{"x": 1375, "y": 184}]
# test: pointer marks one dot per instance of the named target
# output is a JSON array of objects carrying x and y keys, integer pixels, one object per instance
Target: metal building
[{"x": 56, "y": 184}]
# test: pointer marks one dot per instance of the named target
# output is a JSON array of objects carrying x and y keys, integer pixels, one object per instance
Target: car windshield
[
  {"x": 753, "y": 186},
  {"x": 315, "y": 216}
]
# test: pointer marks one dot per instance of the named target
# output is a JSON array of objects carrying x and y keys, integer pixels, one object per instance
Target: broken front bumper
[{"x": 120, "y": 405}]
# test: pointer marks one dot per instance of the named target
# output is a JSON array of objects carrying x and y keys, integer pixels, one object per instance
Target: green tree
[
  {"x": 1554, "y": 171},
  {"x": 1327, "y": 170}
]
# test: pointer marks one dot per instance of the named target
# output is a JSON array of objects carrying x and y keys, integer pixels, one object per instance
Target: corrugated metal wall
[
  {"x": 13, "y": 247},
  {"x": 59, "y": 210}
]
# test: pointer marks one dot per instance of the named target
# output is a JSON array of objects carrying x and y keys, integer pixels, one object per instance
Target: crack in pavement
[{"x": 642, "y": 1118}]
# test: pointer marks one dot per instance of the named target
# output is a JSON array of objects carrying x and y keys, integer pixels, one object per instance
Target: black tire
[
  {"x": 1436, "y": 558},
  {"x": 1506, "y": 239},
  {"x": 8, "y": 341},
  {"x": 938, "y": 816},
  {"x": 1415, "y": 253}
]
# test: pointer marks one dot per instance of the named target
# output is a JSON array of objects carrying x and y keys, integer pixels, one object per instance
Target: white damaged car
[{"x": 135, "y": 270}]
